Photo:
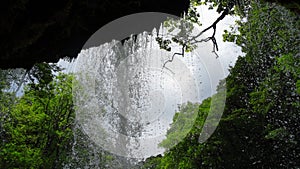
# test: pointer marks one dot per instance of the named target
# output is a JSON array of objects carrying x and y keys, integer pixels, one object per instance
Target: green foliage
[
  {"x": 185, "y": 153},
  {"x": 163, "y": 44},
  {"x": 182, "y": 123},
  {"x": 239, "y": 7},
  {"x": 180, "y": 31},
  {"x": 298, "y": 86},
  {"x": 260, "y": 124},
  {"x": 38, "y": 128},
  {"x": 261, "y": 109}
]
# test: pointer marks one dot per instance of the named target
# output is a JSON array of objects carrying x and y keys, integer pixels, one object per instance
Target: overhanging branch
[
  {"x": 194, "y": 39},
  {"x": 214, "y": 25},
  {"x": 172, "y": 58}
]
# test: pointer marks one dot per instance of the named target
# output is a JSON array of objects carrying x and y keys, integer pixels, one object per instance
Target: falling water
[{"x": 125, "y": 99}]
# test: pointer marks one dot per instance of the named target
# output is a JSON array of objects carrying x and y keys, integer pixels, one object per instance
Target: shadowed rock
[{"x": 37, "y": 31}]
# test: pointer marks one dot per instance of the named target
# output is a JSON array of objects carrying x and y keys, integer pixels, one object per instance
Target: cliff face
[{"x": 35, "y": 31}]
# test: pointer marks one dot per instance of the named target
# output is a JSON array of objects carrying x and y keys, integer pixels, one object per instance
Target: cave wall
[{"x": 36, "y": 31}]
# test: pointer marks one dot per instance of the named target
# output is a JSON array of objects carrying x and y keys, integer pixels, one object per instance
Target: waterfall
[{"x": 125, "y": 99}]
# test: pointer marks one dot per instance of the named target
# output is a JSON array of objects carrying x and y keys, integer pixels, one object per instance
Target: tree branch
[
  {"x": 214, "y": 25},
  {"x": 172, "y": 58},
  {"x": 194, "y": 40}
]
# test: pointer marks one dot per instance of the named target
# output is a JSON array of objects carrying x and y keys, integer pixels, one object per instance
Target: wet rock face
[{"x": 35, "y": 31}]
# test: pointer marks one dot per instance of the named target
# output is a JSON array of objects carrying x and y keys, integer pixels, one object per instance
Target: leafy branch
[{"x": 188, "y": 42}]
